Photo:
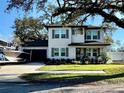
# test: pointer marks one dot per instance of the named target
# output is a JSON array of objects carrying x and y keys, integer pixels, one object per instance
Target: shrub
[{"x": 104, "y": 57}]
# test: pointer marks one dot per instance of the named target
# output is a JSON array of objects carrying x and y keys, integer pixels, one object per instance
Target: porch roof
[{"x": 90, "y": 44}]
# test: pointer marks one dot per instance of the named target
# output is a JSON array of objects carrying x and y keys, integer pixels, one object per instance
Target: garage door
[{"x": 37, "y": 55}]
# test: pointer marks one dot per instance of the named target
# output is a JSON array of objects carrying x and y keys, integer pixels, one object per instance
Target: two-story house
[{"x": 73, "y": 42}]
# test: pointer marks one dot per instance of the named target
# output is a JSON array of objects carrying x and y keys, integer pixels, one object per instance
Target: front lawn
[
  {"x": 114, "y": 74},
  {"x": 81, "y": 67}
]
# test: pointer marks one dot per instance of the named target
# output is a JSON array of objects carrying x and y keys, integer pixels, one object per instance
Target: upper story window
[
  {"x": 56, "y": 34},
  {"x": 88, "y": 35},
  {"x": 91, "y": 35},
  {"x": 63, "y": 34},
  {"x": 95, "y": 34},
  {"x": 60, "y": 33}
]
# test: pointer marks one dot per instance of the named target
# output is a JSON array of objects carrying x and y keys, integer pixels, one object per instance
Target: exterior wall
[{"x": 78, "y": 38}]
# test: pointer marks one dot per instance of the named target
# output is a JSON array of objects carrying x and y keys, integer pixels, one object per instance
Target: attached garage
[{"x": 37, "y": 50}]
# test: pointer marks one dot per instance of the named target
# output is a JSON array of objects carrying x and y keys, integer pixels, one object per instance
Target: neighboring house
[
  {"x": 3, "y": 44},
  {"x": 70, "y": 42}
]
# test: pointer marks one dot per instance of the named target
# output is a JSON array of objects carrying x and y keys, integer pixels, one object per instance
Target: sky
[{"x": 7, "y": 21}]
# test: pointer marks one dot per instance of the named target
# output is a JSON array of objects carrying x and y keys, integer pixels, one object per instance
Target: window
[
  {"x": 56, "y": 34},
  {"x": 63, "y": 34},
  {"x": 59, "y": 33},
  {"x": 88, "y": 35},
  {"x": 95, "y": 52},
  {"x": 55, "y": 51},
  {"x": 63, "y": 51},
  {"x": 92, "y": 52},
  {"x": 92, "y": 34},
  {"x": 88, "y": 51},
  {"x": 95, "y": 34}
]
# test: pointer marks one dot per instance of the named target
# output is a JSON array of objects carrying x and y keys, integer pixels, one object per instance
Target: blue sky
[{"x": 7, "y": 21}]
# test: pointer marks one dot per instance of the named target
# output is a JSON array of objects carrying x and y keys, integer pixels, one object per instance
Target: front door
[{"x": 79, "y": 53}]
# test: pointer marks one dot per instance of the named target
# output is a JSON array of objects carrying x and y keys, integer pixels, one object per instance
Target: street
[{"x": 59, "y": 88}]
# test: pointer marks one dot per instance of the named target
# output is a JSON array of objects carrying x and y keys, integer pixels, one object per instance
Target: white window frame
[
  {"x": 56, "y": 32},
  {"x": 92, "y": 33},
  {"x": 88, "y": 51},
  {"x": 63, "y": 52},
  {"x": 95, "y": 51},
  {"x": 60, "y": 32},
  {"x": 91, "y": 51},
  {"x": 63, "y": 32},
  {"x": 55, "y": 52}
]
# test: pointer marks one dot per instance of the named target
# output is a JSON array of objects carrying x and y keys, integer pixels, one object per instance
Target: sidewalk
[
  {"x": 78, "y": 72},
  {"x": 11, "y": 73}
]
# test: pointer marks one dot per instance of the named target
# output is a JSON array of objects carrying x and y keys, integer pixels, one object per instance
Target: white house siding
[
  {"x": 58, "y": 43},
  {"x": 78, "y": 38}
]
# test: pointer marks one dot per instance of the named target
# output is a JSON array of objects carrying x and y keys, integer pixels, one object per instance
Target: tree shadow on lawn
[
  {"x": 70, "y": 81},
  {"x": 83, "y": 79}
]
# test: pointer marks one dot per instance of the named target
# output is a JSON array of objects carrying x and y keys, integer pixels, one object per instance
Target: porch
[
  {"x": 89, "y": 55},
  {"x": 90, "y": 52}
]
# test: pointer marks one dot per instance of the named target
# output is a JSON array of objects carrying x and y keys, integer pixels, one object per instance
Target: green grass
[
  {"x": 114, "y": 74},
  {"x": 80, "y": 67}
]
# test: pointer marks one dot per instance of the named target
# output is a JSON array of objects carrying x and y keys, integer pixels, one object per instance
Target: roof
[
  {"x": 90, "y": 43},
  {"x": 36, "y": 43},
  {"x": 74, "y": 26},
  {"x": 3, "y": 43},
  {"x": 60, "y": 26}
]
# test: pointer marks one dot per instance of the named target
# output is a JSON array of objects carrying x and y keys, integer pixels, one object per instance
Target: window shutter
[
  {"x": 52, "y": 52},
  {"x": 85, "y": 51},
  {"x": 98, "y": 34},
  {"x": 73, "y": 32},
  {"x": 85, "y": 34},
  {"x": 67, "y": 52},
  {"x": 98, "y": 51},
  {"x": 67, "y": 33},
  {"x": 53, "y": 32},
  {"x": 81, "y": 31}
]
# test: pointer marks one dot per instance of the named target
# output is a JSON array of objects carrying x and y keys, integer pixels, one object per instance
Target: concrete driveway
[{"x": 10, "y": 73}]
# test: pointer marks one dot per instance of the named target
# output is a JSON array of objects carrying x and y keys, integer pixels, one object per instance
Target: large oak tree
[
  {"x": 28, "y": 29},
  {"x": 74, "y": 9}
]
